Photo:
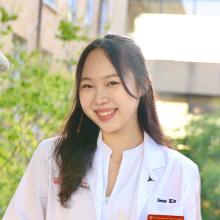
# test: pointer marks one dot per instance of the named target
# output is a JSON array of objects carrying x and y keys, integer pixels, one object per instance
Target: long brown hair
[{"x": 76, "y": 146}]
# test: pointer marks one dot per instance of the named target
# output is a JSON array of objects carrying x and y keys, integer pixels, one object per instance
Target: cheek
[
  {"x": 123, "y": 97},
  {"x": 84, "y": 100}
]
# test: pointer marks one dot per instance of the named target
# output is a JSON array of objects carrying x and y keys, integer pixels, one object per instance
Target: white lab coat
[{"x": 174, "y": 188}]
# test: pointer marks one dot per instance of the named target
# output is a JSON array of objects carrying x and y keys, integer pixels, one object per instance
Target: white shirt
[
  {"x": 125, "y": 184},
  {"x": 168, "y": 184}
]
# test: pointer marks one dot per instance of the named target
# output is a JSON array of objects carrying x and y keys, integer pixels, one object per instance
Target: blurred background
[{"x": 43, "y": 39}]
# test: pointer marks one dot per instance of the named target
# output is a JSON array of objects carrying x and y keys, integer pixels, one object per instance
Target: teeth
[{"x": 106, "y": 113}]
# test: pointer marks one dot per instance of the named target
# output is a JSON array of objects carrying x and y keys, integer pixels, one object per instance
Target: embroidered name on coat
[
  {"x": 172, "y": 201},
  {"x": 166, "y": 201},
  {"x": 162, "y": 200}
]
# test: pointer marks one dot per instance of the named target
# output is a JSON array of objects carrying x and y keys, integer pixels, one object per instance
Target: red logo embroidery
[
  {"x": 56, "y": 180},
  {"x": 164, "y": 217}
]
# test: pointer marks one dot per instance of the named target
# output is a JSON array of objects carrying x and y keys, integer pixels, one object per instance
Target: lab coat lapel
[
  {"x": 95, "y": 180},
  {"x": 152, "y": 160}
]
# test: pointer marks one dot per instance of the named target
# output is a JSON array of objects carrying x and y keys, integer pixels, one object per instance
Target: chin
[{"x": 109, "y": 129}]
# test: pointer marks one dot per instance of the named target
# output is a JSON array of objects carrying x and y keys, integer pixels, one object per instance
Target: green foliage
[
  {"x": 5, "y": 18},
  {"x": 203, "y": 139},
  {"x": 67, "y": 31},
  {"x": 70, "y": 33},
  {"x": 33, "y": 104}
]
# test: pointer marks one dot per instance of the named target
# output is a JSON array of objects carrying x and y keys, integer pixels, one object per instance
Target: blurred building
[
  {"x": 137, "y": 7},
  {"x": 193, "y": 79},
  {"x": 38, "y": 20},
  {"x": 194, "y": 84}
]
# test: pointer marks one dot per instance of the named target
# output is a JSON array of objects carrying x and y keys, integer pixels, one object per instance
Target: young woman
[{"x": 112, "y": 161}]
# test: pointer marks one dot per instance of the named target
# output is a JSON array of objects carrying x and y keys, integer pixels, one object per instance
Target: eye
[
  {"x": 86, "y": 86},
  {"x": 112, "y": 83}
]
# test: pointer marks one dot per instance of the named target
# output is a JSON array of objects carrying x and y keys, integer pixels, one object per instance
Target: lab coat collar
[
  {"x": 153, "y": 154},
  {"x": 153, "y": 159}
]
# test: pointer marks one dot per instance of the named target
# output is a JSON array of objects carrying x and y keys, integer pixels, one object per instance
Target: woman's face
[{"x": 103, "y": 97}]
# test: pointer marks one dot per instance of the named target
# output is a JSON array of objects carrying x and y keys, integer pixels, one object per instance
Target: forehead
[{"x": 98, "y": 65}]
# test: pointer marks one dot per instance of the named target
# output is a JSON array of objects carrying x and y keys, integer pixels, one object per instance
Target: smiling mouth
[{"x": 103, "y": 116}]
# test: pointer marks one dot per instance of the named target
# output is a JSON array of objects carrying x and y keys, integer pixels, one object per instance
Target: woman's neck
[{"x": 122, "y": 141}]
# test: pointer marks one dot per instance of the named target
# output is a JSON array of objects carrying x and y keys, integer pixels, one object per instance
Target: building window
[
  {"x": 73, "y": 9},
  {"x": 89, "y": 12},
  {"x": 46, "y": 57},
  {"x": 102, "y": 16},
  {"x": 50, "y": 2},
  {"x": 19, "y": 46}
]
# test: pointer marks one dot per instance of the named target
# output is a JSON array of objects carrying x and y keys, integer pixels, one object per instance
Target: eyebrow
[{"x": 105, "y": 77}]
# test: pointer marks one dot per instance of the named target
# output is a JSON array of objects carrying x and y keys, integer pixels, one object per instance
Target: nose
[
  {"x": 101, "y": 100},
  {"x": 101, "y": 97}
]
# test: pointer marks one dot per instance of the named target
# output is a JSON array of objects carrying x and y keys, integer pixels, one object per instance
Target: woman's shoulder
[
  {"x": 181, "y": 166},
  {"x": 177, "y": 159},
  {"x": 45, "y": 149}
]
